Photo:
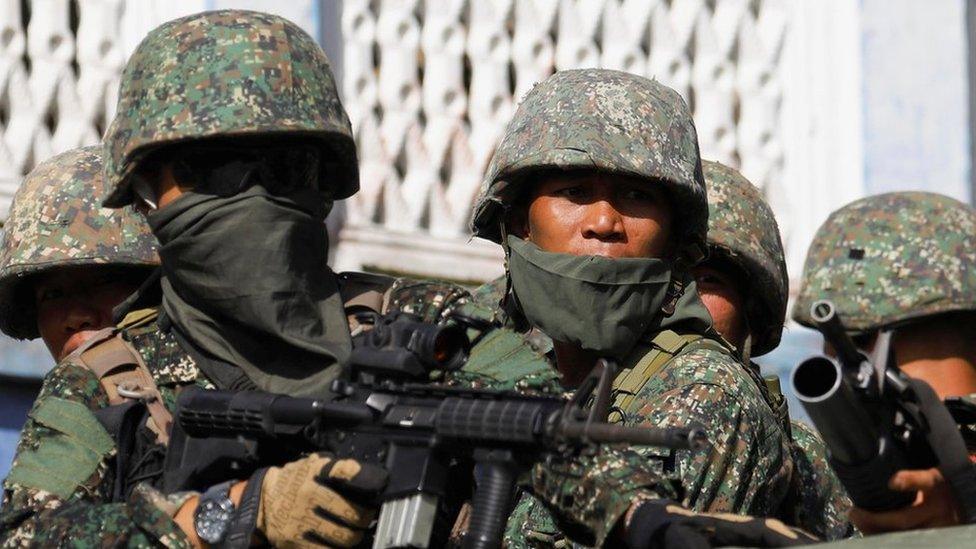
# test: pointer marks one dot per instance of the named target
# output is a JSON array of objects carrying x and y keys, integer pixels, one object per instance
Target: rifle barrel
[
  {"x": 824, "y": 314},
  {"x": 678, "y": 438}
]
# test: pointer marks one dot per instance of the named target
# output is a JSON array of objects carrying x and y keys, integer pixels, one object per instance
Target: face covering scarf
[
  {"x": 598, "y": 303},
  {"x": 245, "y": 282}
]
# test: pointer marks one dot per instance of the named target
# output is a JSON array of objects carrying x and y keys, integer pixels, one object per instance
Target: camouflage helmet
[
  {"x": 742, "y": 230},
  {"x": 229, "y": 73},
  {"x": 56, "y": 220},
  {"x": 892, "y": 258},
  {"x": 602, "y": 120}
]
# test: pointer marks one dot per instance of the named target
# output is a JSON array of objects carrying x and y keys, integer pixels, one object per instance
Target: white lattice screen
[
  {"x": 430, "y": 85},
  {"x": 60, "y": 62}
]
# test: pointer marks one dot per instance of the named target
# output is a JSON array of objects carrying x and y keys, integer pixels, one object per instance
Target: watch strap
[
  {"x": 242, "y": 526},
  {"x": 217, "y": 491}
]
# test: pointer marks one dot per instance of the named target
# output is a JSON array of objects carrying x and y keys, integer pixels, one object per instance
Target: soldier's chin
[{"x": 76, "y": 340}]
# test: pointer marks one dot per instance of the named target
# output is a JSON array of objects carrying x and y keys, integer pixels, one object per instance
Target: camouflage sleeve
[
  {"x": 62, "y": 476},
  {"x": 586, "y": 496},
  {"x": 746, "y": 470},
  {"x": 748, "y": 466},
  {"x": 823, "y": 504}
]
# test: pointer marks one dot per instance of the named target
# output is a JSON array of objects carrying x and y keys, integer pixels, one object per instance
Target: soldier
[
  {"x": 905, "y": 262},
  {"x": 65, "y": 261},
  {"x": 596, "y": 193},
  {"x": 230, "y": 136},
  {"x": 744, "y": 285}
]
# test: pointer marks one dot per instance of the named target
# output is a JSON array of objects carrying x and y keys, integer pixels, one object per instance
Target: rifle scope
[{"x": 429, "y": 346}]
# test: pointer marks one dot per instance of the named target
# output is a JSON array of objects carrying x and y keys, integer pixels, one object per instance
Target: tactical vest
[
  {"x": 649, "y": 359},
  {"x": 134, "y": 398}
]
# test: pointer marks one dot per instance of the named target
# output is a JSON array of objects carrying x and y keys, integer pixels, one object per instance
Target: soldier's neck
[{"x": 573, "y": 363}]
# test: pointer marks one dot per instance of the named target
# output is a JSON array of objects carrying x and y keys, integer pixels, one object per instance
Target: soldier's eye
[
  {"x": 709, "y": 278},
  {"x": 47, "y": 294},
  {"x": 637, "y": 194},
  {"x": 571, "y": 192}
]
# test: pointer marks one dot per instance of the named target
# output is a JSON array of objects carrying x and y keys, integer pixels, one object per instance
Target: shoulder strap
[
  {"x": 124, "y": 377},
  {"x": 138, "y": 318},
  {"x": 665, "y": 346}
]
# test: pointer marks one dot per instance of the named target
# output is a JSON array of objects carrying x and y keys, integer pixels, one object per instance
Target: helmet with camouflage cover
[
  {"x": 742, "y": 230},
  {"x": 891, "y": 258},
  {"x": 57, "y": 221},
  {"x": 599, "y": 119},
  {"x": 228, "y": 74}
]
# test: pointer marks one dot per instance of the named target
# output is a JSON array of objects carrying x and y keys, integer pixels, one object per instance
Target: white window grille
[{"x": 430, "y": 84}]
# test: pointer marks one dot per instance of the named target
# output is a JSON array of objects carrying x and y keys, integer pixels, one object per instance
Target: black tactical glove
[{"x": 663, "y": 523}]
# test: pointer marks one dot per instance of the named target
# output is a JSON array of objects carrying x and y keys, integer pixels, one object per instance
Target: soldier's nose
[
  {"x": 603, "y": 222},
  {"x": 81, "y": 316}
]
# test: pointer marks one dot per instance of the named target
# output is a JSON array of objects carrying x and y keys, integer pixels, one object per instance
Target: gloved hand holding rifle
[
  {"x": 877, "y": 421},
  {"x": 387, "y": 415}
]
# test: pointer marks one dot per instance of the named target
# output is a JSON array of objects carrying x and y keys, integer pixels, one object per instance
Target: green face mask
[
  {"x": 598, "y": 303},
  {"x": 247, "y": 284}
]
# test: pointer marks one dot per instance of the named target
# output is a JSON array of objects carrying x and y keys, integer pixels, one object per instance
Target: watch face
[{"x": 212, "y": 518}]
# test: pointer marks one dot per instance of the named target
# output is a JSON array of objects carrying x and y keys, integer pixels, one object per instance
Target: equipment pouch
[{"x": 66, "y": 458}]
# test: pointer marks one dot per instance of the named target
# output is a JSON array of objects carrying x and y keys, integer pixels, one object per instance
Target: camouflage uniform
[
  {"x": 209, "y": 75},
  {"x": 890, "y": 260},
  {"x": 743, "y": 232},
  {"x": 56, "y": 221},
  {"x": 620, "y": 123}
]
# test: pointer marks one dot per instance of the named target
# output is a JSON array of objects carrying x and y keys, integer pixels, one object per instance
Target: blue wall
[
  {"x": 22, "y": 366},
  {"x": 15, "y": 400},
  {"x": 916, "y": 96}
]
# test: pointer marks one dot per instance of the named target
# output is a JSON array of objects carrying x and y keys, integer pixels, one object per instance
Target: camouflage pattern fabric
[
  {"x": 824, "y": 505},
  {"x": 228, "y": 73},
  {"x": 747, "y": 470},
  {"x": 604, "y": 120},
  {"x": 431, "y": 300},
  {"x": 584, "y": 490},
  {"x": 34, "y": 515},
  {"x": 56, "y": 221},
  {"x": 891, "y": 258},
  {"x": 742, "y": 230},
  {"x": 817, "y": 502},
  {"x": 491, "y": 293}
]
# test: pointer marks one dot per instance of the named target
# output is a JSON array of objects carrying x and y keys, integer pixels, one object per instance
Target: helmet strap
[
  {"x": 510, "y": 302},
  {"x": 746, "y": 351},
  {"x": 676, "y": 288}
]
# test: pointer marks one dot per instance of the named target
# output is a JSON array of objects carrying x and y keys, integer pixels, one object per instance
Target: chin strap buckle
[{"x": 675, "y": 290}]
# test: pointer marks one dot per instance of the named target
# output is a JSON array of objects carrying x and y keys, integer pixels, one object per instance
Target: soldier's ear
[{"x": 517, "y": 220}]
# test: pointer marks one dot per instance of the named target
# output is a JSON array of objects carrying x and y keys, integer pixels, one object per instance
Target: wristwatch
[{"x": 214, "y": 513}]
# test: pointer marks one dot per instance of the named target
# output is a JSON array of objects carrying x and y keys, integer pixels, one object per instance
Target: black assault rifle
[
  {"x": 876, "y": 420},
  {"x": 388, "y": 412}
]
